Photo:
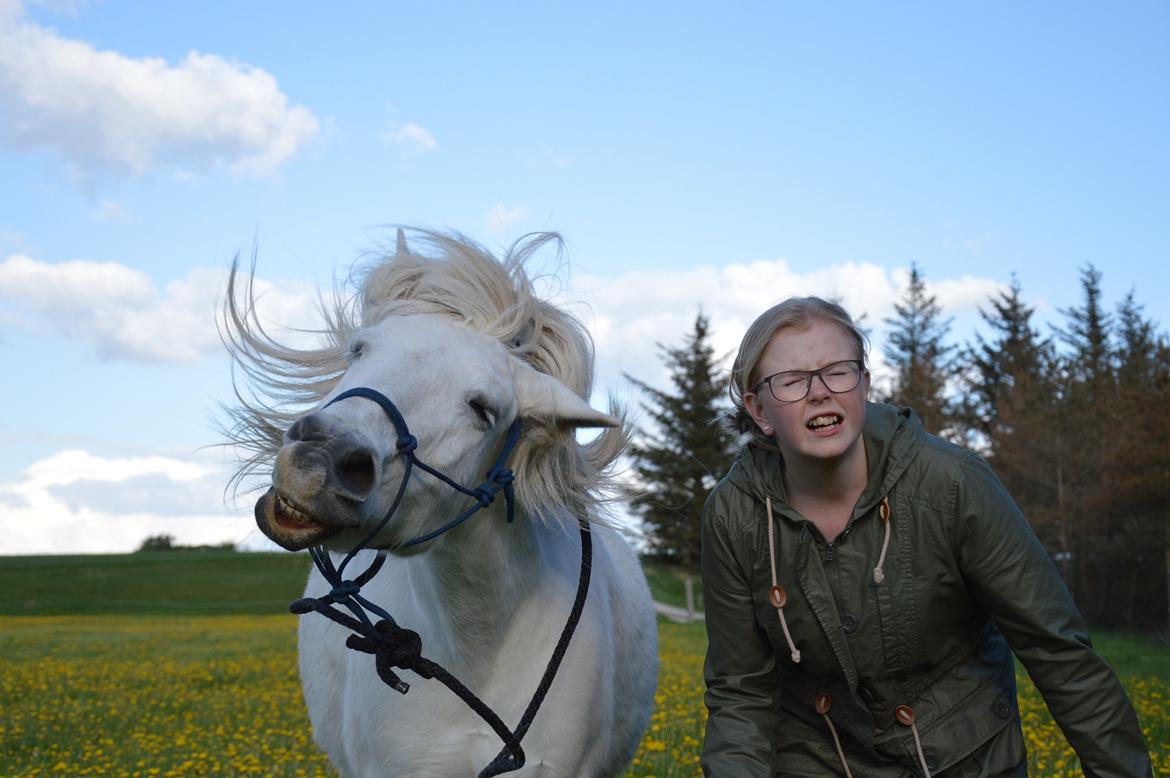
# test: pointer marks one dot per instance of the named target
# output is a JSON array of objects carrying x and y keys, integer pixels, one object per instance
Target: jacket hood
[{"x": 889, "y": 435}]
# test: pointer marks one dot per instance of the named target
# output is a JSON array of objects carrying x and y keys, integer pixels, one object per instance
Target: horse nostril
[{"x": 356, "y": 473}]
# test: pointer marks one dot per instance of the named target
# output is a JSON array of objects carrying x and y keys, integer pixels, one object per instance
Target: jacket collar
[{"x": 890, "y": 436}]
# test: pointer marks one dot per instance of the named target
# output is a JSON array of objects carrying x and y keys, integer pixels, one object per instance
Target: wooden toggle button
[
  {"x": 824, "y": 702},
  {"x": 777, "y": 596},
  {"x": 905, "y": 715},
  {"x": 884, "y": 511}
]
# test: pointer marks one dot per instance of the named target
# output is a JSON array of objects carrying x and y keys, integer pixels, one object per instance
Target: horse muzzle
[
  {"x": 320, "y": 484},
  {"x": 288, "y": 526}
]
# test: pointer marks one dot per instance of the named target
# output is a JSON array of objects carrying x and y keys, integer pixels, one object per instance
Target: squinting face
[{"x": 823, "y": 425}]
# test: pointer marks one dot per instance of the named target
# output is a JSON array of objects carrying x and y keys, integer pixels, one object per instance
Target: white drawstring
[
  {"x": 879, "y": 574},
  {"x": 824, "y": 705},
  {"x": 906, "y": 717},
  {"x": 776, "y": 595}
]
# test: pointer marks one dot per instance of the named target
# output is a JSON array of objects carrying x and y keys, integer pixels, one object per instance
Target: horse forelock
[{"x": 456, "y": 277}]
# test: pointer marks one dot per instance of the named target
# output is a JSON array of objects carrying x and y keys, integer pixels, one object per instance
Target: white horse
[{"x": 461, "y": 347}]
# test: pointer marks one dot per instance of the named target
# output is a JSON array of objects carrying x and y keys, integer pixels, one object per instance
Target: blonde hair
[
  {"x": 451, "y": 276},
  {"x": 796, "y": 313}
]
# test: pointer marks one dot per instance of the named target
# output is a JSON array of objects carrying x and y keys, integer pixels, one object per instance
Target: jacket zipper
[{"x": 830, "y": 552}]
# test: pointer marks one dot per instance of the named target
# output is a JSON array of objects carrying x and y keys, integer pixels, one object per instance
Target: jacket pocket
[{"x": 970, "y": 711}]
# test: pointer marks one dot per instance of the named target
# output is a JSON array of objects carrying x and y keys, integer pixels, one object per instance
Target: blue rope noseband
[
  {"x": 499, "y": 478},
  {"x": 395, "y": 647}
]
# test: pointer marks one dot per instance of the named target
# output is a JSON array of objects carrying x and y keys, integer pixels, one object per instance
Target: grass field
[
  {"x": 139, "y": 672},
  {"x": 187, "y": 583}
]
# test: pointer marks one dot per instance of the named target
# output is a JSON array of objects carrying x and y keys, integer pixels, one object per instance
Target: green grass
[
  {"x": 187, "y": 583},
  {"x": 184, "y": 664},
  {"x": 141, "y": 696},
  {"x": 1138, "y": 656},
  {"x": 193, "y": 583},
  {"x": 666, "y": 584}
]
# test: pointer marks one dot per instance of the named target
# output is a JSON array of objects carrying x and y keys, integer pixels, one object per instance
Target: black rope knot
[
  {"x": 501, "y": 475},
  {"x": 393, "y": 647},
  {"x": 484, "y": 495},
  {"x": 344, "y": 589},
  {"x": 407, "y": 443}
]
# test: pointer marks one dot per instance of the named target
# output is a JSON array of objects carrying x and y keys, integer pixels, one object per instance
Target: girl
[{"x": 866, "y": 583}]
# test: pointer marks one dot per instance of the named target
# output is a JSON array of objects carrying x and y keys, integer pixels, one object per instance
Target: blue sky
[{"x": 691, "y": 156}]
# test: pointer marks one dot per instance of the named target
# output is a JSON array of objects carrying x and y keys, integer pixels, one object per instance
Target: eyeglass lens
[{"x": 793, "y": 385}]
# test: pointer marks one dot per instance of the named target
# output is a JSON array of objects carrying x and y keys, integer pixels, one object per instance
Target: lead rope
[
  {"x": 824, "y": 704},
  {"x": 776, "y": 595},
  {"x": 879, "y": 574},
  {"x": 395, "y": 647}
]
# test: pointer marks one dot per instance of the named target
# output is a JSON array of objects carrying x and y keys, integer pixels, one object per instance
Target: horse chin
[{"x": 288, "y": 526}]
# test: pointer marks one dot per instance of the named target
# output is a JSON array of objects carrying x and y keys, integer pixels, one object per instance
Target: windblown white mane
[{"x": 455, "y": 277}]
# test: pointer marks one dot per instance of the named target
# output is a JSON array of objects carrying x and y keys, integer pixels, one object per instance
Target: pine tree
[
  {"x": 1079, "y": 440},
  {"x": 1089, "y": 365},
  {"x": 1015, "y": 356},
  {"x": 681, "y": 458},
  {"x": 921, "y": 360},
  {"x": 1013, "y": 390},
  {"x": 1087, "y": 438},
  {"x": 1136, "y": 482}
]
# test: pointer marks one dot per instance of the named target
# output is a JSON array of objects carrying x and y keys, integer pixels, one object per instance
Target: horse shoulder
[{"x": 323, "y": 677}]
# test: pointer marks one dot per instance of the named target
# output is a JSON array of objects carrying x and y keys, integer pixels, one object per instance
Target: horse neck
[{"x": 471, "y": 583}]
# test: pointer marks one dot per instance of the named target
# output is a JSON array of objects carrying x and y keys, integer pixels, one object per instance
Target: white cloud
[
  {"x": 411, "y": 138},
  {"x": 103, "y": 111},
  {"x": 631, "y": 312},
  {"x": 75, "y": 501},
  {"x": 966, "y": 294},
  {"x": 501, "y": 217},
  {"x": 10, "y": 10},
  {"x": 122, "y": 314}
]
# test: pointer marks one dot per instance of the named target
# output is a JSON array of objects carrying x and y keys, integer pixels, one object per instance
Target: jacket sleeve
[
  {"x": 742, "y": 702},
  {"x": 1014, "y": 579}
]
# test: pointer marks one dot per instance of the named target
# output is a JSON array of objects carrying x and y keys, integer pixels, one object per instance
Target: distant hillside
[
  {"x": 153, "y": 582},
  {"x": 195, "y": 582}
]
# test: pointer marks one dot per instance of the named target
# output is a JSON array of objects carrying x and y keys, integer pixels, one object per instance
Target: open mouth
[
  {"x": 290, "y": 517},
  {"x": 826, "y": 422},
  {"x": 288, "y": 525}
]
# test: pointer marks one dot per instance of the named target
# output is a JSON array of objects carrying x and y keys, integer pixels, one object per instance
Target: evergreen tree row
[{"x": 1072, "y": 423}]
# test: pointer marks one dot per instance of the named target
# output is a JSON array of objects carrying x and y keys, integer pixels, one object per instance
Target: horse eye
[
  {"x": 482, "y": 410},
  {"x": 356, "y": 349}
]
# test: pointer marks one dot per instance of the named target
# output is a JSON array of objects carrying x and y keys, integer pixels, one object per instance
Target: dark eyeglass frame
[{"x": 808, "y": 376}]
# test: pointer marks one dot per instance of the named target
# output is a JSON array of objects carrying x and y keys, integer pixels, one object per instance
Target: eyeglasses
[{"x": 789, "y": 386}]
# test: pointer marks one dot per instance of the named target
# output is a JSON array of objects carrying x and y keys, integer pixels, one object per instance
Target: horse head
[
  {"x": 340, "y": 468},
  {"x": 456, "y": 340}
]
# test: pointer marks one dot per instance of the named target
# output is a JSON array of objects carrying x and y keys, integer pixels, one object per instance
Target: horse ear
[
  {"x": 400, "y": 248},
  {"x": 540, "y": 396}
]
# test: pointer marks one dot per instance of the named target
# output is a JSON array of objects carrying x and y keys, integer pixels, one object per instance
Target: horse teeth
[{"x": 288, "y": 510}]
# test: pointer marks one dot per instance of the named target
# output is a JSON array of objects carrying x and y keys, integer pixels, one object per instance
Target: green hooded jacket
[{"x": 963, "y": 578}]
